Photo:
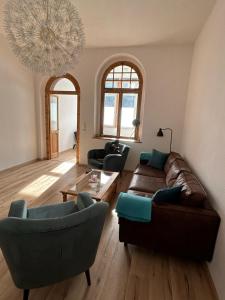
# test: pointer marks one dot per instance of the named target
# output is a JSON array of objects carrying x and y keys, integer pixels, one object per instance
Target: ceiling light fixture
[{"x": 46, "y": 35}]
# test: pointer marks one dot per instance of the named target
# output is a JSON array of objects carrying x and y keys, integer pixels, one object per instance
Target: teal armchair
[{"x": 48, "y": 244}]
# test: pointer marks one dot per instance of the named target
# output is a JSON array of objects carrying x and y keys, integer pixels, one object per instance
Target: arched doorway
[{"x": 56, "y": 88}]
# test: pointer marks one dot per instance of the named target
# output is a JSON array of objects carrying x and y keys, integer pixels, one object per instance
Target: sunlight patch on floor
[
  {"x": 63, "y": 168},
  {"x": 39, "y": 186}
]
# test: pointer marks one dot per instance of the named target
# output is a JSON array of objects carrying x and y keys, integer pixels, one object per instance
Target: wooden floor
[{"x": 118, "y": 273}]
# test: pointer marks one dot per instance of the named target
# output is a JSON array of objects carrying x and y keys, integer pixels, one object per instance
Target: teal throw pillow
[
  {"x": 170, "y": 195},
  {"x": 145, "y": 157},
  {"x": 158, "y": 159}
]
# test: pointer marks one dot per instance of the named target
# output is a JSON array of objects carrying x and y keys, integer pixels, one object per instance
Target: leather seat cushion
[
  {"x": 170, "y": 160},
  {"x": 149, "y": 171},
  {"x": 96, "y": 163},
  {"x": 146, "y": 184},
  {"x": 192, "y": 193},
  {"x": 176, "y": 168}
]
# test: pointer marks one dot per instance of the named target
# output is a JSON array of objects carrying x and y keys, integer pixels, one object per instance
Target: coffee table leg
[{"x": 64, "y": 197}]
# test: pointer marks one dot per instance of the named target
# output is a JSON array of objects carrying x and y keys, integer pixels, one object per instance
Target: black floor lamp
[{"x": 160, "y": 133}]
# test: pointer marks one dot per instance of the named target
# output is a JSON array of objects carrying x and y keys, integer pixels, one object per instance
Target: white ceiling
[
  {"x": 140, "y": 22},
  {"x": 112, "y": 23}
]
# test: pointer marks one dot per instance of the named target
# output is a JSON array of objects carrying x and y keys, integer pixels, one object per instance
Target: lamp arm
[{"x": 171, "y": 136}]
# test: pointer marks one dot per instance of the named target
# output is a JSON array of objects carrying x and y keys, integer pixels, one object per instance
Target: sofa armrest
[
  {"x": 112, "y": 162},
  {"x": 184, "y": 210},
  {"x": 192, "y": 230},
  {"x": 18, "y": 209},
  {"x": 185, "y": 219},
  {"x": 96, "y": 153}
]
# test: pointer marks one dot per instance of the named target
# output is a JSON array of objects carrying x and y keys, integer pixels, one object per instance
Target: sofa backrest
[
  {"x": 170, "y": 160},
  {"x": 179, "y": 173},
  {"x": 192, "y": 193},
  {"x": 176, "y": 168}
]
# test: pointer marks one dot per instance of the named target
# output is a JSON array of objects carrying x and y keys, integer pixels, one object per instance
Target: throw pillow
[
  {"x": 145, "y": 157},
  {"x": 114, "y": 148},
  {"x": 169, "y": 195},
  {"x": 84, "y": 200},
  {"x": 158, "y": 159}
]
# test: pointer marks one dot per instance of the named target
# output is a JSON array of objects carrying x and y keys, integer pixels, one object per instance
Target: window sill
[{"x": 113, "y": 139}]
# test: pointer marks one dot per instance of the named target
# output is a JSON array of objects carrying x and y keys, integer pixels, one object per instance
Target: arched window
[{"x": 121, "y": 101}]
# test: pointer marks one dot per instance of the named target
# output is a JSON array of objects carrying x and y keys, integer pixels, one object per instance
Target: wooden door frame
[{"x": 50, "y": 91}]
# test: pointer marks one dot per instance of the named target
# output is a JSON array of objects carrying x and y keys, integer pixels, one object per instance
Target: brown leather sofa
[{"x": 188, "y": 228}]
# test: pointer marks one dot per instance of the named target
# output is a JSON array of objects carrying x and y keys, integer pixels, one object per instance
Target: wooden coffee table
[{"x": 102, "y": 190}]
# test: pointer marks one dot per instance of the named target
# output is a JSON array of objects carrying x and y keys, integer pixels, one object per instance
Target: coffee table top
[{"x": 96, "y": 183}]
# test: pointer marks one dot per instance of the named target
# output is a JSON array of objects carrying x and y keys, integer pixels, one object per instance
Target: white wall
[
  {"x": 204, "y": 137},
  {"x": 67, "y": 121},
  {"x": 17, "y": 111},
  {"x": 166, "y": 74}
]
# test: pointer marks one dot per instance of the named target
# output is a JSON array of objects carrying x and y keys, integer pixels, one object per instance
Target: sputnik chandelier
[{"x": 46, "y": 35}]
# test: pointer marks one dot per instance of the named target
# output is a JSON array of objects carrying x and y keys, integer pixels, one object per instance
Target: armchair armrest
[
  {"x": 112, "y": 162},
  {"x": 96, "y": 153},
  {"x": 18, "y": 209},
  {"x": 84, "y": 200}
]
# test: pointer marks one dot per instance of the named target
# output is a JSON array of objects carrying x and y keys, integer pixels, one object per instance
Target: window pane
[
  {"x": 109, "y": 76},
  {"x": 128, "y": 114},
  {"x": 134, "y": 76},
  {"x": 134, "y": 84},
  {"x": 109, "y": 84},
  {"x": 126, "y": 76},
  {"x": 126, "y": 69},
  {"x": 126, "y": 84},
  {"x": 110, "y": 114},
  {"x": 63, "y": 84},
  {"x": 117, "y": 76},
  {"x": 118, "y": 69},
  {"x": 54, "y": 112},
  {"x": 117, "y": 84}
]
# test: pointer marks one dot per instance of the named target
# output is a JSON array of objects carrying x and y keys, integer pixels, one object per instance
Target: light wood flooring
[{"x": 118, "y": 273}]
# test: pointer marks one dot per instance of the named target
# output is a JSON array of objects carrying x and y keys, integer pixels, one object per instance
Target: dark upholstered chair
[
  {"x": 106, "y": 160},
  {"x": 48, "y": 244}
]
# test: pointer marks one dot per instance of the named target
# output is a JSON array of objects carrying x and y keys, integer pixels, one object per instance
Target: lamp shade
[
  {"x": 160, "y": 132},
  {"x": 136, "y": 122}
]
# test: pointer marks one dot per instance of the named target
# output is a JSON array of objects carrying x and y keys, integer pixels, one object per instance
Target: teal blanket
[{"x": 134, "y": 208}]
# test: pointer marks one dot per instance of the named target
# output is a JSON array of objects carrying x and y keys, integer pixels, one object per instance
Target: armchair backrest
[
  {"x": 118, "y": 163},
  {"x": 46, "y": 251},
  {"x": 124, "y": 149}
]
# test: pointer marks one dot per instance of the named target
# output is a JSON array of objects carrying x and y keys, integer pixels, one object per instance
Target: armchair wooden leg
[
  {"x": 87, "y": 273},
  {"x": 125, "y": 244},
  {"x": 26, "y": 294}
]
